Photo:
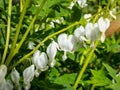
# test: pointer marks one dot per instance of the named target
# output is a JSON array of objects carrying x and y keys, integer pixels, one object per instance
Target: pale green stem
[
  {"x": 18, "y": 29},
  {"x": 21, "y": 5},
  {"x": 93, "y": 87},
  {"x": 25, "y": 35},
  {"x": 42, "y": 42},
  {"x": 84, "y": 66},
  {"x": 8, "y": 31},
  {"x": 83, "y": 55}
]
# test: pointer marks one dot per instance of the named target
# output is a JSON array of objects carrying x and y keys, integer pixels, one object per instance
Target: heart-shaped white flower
[{"x": 66, "y": 43}]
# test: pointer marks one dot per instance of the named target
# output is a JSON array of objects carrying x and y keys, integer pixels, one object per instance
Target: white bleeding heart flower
[
  {"x": 92, "y": 32},
  {"x": 71, "y": 5},
  {"x": 3, "y": 72},
  {"x": 103, "y": 25},
  {"x": 79, "y": 33},
  {"x": 28, "y": 75},
  {"x": 51, "y": 52},
  {"x": 8, "y": 85},
  {"x": 66, "y": 43},
  {"x": 40, "y": 60},
  {"x": 82, "y": 3},
  {"x": 15, "y": 77},
  {"x": 31, "y": 45},
  {"x": 87, "y": 17}
]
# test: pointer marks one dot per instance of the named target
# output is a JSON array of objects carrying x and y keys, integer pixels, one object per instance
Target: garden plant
[{"x": 59, "y": 45}]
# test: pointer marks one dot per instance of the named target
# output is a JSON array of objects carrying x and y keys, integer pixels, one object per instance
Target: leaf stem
[
  {"x": 8, "y": 31},
  {"x": 84, "y": 66}
]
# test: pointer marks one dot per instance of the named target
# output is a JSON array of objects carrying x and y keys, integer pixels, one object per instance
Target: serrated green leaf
[
  {"x": 99, "y": 78},
  {"x": 111, "y": 71}
]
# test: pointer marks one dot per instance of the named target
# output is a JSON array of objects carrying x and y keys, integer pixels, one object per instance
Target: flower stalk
[
  {"x": 85, "y": 66},
  {"x": 42, "y": 42},
  {"x": 8, "y": 31},
  {"x": 25, "y": 35}
]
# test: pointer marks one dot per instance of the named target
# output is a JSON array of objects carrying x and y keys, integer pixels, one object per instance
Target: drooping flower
[
  {"x": 3, "y": 72},
  {"x": 51, "y": 52},
  {"x": 31, "y": 45},
  {"x": 15, "y": 76},
  {"x": 103, "y": 25},
  {"x": 8, "y": 85},
  {"x": 92, "y": 32},
  {"x": 81, "y": 3},
  {"x": 28, "y": 75},
  {"x": 79, "y": 33},
  {"x": 66, "y": 43},
  {"x": 87, "y": 17},
  {"x": 4, "y": 84},
  {"x": 41, "y": 62}
]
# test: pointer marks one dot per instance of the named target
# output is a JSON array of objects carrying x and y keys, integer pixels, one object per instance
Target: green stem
[
  {"x": 84, "y": 66},
  {"x": 18, "y": 29},
  {"x": 83, "y": 55},
  {"x": 93, "y": 87},
  {"x": 8, "y": 32},
  {"x": 21, "y": 5},
  {"x": 25, "y": 35},
  {"x": 41, "y": 43}
]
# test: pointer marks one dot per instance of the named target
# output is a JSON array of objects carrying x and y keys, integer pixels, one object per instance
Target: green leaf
[
  {"x": 116, "y": 84},
  {"x": 115, "y": 48},
  {"x": 111, "y": 71},
  {"x": 53, "y": 73},
  {"x": 66, "y": 79},
  {"x": 99, "y": 78}
]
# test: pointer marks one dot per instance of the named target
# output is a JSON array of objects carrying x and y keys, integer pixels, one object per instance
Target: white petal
[
  {"x": 31, "y": 45},
  {"x": 82, "y": 3},
  {"x": 3, "y": 84},
  {"x": 102, "y": 37},
  {"x": 91, "y": 31},
  {"x": 63, "y": 42},
  {"x": 37, "y": 72},
  {"x": 71, "y": 5},
  {"x": 64, "y": 57},
  {"x": 28, "y": 75},
  {"x": 27, "y": 87},
  {"x": 71, "y": 43},
  {"x": 52, "y": 63},
  {"x": 42, "y": 62},
  {"x": 80, "y": 31},
  {"x": 3, "y": 72},
  {"x": 9, "y": 85},
  {"x": 103, "y": 24},
  {"x": 52, "y": 50},
  {"x": 15, "y": 76},
  {"x": 36, "y": 56}
]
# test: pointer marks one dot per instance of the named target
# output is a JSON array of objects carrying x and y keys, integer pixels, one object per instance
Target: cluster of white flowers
[
  {"x": 68, "y": 43},
  {"x": 43, "y": 60}
]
